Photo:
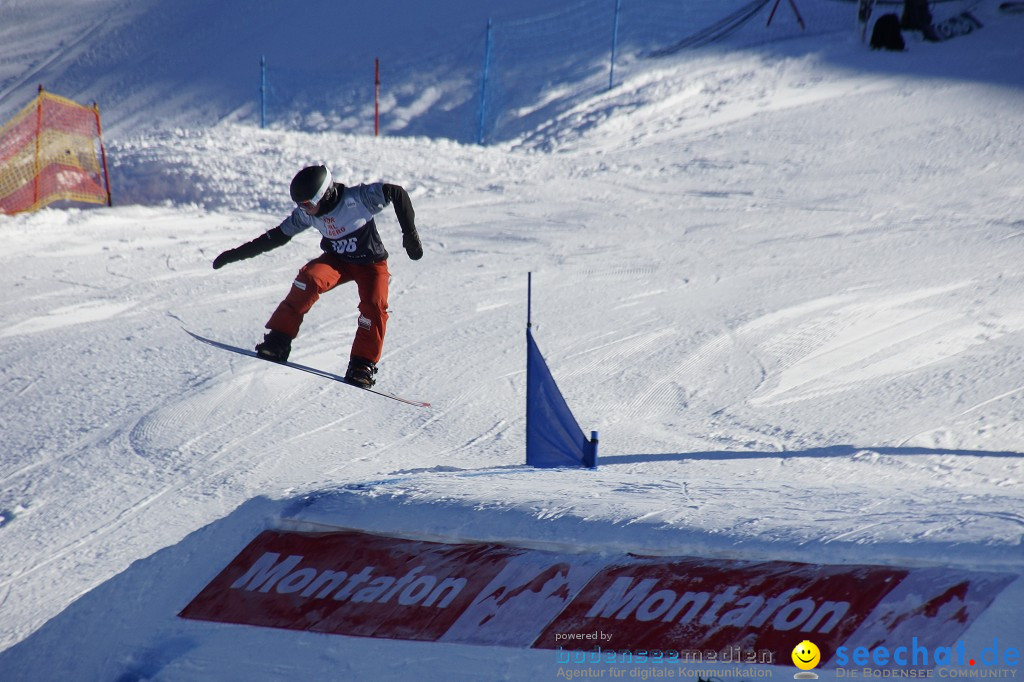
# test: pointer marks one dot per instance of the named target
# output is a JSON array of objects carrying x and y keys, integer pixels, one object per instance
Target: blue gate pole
[
  {"x": 263, "y": 91},
  {"x": 529, "y": 298},
  {"x": 615, "y": 44},
  {"x": 483, "y": 83}
]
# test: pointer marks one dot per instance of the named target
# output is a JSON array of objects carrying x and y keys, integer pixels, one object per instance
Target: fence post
[
  {"x": 103, "y": 154},
  {"x": 615, "y": 44},
  {"x": 39, "y": 136},
  {"x": 263, "y": 91},
  {"x": 483, "y": 82}
]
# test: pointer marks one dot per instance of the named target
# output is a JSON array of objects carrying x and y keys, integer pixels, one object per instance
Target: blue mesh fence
[
  {"x": 533, "y": 64},
  {"x": 540, "y": 67}
]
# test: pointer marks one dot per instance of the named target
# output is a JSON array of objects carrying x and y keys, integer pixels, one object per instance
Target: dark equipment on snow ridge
[
  {"x": 310, "y": 184},
  {"x": 917, "y": 15},
  {"x": 886, "y": 34}
]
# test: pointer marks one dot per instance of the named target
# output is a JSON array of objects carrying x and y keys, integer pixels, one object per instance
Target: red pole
[
  {"x": 376, "y": 97},
  {"x": 39, "y": 136},
  {"x": 103, "y": 153}
]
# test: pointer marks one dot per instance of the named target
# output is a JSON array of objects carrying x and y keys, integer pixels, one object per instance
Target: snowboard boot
[
  {"x": 274, "y": 347},
  {"x": 360, "y": 372}
]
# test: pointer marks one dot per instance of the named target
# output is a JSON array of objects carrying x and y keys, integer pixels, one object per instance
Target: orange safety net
[{"x": 52, "y": 150}]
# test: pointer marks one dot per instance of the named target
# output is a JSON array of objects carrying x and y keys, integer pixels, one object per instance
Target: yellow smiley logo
[{"x": 806, "y": 655}]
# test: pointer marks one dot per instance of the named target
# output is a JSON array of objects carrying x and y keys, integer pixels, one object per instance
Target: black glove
[
  {"x": 265, "y": 242},
  {"x": 394, "y": 194},
  {"x": 229, "y": 256},
  {"x": 411, "y": 242}
]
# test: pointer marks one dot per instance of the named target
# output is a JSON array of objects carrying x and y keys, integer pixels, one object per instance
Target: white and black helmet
[{"x": 310, "y": 184}]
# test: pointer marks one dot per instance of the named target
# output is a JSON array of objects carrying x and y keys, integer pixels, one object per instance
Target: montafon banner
[{"x": 358, "y": 584}]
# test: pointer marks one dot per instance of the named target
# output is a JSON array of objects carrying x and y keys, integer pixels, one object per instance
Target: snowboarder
[{"x": 353, "y": 251}]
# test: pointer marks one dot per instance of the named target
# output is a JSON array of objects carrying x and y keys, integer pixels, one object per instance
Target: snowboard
[{"x": 305, "y": 368}]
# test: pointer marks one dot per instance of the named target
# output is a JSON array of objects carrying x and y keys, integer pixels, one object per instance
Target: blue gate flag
[{"x": 553, "y": 438}]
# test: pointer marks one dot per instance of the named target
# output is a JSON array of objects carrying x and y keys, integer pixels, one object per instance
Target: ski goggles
[{"x": 315, "y": 199}]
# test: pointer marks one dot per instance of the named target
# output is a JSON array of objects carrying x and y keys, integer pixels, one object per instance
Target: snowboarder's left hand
[{"x": 412, "y": 245}]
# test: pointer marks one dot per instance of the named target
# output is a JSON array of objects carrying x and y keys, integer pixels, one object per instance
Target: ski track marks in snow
[
  {"x": 79, "y": 313},
  {"x": 859, "y": 341}
]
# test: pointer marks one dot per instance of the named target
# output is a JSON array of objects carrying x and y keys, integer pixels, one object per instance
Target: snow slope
[{"x": 782, "y": 282}]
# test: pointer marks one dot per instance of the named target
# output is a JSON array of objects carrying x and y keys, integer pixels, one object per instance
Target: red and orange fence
[{"x": 52, "y": 150}]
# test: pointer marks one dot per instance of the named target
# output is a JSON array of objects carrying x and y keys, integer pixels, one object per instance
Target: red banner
[
  {"x": 352, "y": 583},
  {"x": 700, "y": 604}
]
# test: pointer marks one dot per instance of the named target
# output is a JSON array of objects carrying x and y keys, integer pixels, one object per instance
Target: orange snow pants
[{"x": 323, "y": 274}]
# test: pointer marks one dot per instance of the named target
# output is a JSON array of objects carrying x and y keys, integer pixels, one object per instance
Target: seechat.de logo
[{"x": 806, "y": 656}]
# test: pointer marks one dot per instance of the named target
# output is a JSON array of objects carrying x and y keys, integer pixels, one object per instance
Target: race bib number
[{"x": 344, "y": 245}]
